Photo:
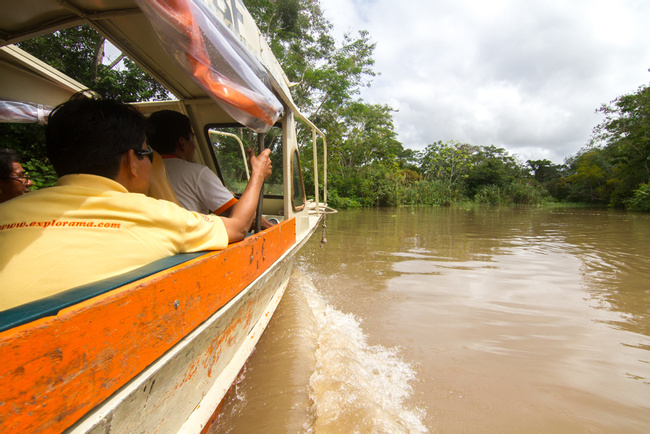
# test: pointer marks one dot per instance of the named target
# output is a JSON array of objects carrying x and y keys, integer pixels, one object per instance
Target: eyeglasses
[
  {"x": 142, "y": 152},
  {"x": 22, "y": 178}
]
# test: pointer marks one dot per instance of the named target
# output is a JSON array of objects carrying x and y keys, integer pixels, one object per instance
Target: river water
[{"x": 451, "y": 320}]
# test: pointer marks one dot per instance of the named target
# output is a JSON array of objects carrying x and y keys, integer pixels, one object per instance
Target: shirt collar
[{"x": 91, "y": 181}]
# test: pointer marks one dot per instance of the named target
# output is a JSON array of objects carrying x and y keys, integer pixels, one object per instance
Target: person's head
[
  {"x": 171, "y": 133},
  {"x": 90, "y": 135},
  {"x": 13, "y": 179}
]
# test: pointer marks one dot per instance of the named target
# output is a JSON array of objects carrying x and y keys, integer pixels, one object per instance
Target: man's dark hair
[
  {"x": 7, "y": 157},
  {"x": 166, "y": 127},
  {"x": 89, "y": 135}
]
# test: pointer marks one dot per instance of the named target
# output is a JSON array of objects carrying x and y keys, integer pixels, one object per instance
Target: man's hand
[
  {"x": 244, "y": 211},
  {"x": 260, "y": 165}
]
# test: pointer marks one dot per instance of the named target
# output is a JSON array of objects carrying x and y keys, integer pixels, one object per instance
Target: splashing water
[
  {"x": 313, "y": 371},
  {"x": 356, "y": 387}
]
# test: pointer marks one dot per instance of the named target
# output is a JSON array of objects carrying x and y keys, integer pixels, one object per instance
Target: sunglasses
[{"x": 142, "y": 152}]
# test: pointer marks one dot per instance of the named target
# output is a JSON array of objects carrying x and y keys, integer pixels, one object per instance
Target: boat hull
[
  {"x": 181, "y": 390},
  {"x": 156, "y": 355}
]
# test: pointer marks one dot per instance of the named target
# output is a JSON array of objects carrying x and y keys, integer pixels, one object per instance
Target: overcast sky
[{"x": 525, "y": 75}]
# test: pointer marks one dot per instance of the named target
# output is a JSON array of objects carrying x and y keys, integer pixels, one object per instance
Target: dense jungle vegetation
[{"x": 367, "y": 165}]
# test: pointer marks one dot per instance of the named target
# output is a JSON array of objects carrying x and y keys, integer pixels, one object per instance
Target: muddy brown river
[{"x": 451, "y": 320}]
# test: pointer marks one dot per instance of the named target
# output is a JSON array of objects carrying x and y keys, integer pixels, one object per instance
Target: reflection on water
[{"x": 488, "y": 321}]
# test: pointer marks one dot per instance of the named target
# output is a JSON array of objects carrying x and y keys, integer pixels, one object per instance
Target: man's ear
[
  {"x": 181, "y": 144},
  {"x": 132, "y": 163}
]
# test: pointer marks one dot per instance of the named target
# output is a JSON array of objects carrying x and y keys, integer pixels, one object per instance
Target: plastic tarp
[
  {"x": 214, "y": 57},
  {"x": 23, "y": 112}
]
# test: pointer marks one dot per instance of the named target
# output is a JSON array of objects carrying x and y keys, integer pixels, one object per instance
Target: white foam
[{"x": 356, "y": 387}]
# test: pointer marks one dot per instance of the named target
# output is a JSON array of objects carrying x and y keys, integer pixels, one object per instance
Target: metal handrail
[{"x": 241, "y": 146}]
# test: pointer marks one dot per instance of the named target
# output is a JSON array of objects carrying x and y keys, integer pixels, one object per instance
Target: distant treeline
[{"x": 613, "y": 170}]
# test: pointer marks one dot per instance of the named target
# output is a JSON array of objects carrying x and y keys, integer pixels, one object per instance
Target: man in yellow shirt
[{"x": 97, "y": 222}]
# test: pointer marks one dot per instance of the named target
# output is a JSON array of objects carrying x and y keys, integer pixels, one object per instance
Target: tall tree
[
  {"x": 588, "y": 178},
  {"x": 327, "y": 77},
  {"x": 492, "y": 166},
  {"x": 543, "y": 170},
  {"x": 624, "y": 137},
  {"x": 449, "y": 162},
  {"x": 549, "y": 176}
]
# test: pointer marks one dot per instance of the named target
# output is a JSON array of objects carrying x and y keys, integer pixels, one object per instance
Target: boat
[{"x": 157, "y": 349}]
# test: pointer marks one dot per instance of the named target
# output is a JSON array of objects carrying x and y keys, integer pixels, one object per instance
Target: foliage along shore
[{"x": 367, "y": 165}]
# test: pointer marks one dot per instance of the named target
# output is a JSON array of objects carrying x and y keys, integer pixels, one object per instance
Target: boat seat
[
  {"x": 159, "y": 185},
  {"x": 51, "y": 305}
]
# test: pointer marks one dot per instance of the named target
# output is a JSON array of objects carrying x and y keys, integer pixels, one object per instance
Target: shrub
[
  {"x": 41, "y": 173},
  {"x": 490, "y": 195},
  {"x": 640, "y": 200},
  {"x": 337, "y": 202},
  {"x": 524, "y": 193}
]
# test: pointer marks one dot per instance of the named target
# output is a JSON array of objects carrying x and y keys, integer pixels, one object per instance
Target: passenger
[
  {"x": 13, "y": 179},
  {"x": 96, "y": 222},
  {"x": 196, "y": 186}
]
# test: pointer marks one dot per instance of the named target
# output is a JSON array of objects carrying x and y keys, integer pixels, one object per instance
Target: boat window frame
[
  {"x": 215, "y": 160},
  {"x": 295, "y": 156}
]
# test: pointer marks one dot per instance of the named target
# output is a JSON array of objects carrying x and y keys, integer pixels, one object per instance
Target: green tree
[
  {"x": 78, "y": 52},
  {"x": 549, "y": 176},
  {"x": 640, "y": 200},
  {"x": 449, "y": 162},
  {"x": 614, "y": 169},
  {"x": 544, "y": 170},
  {"x": 367, "y": 162},
  {"x": 492, "y": 166},
  {"x": 624, "y": 137},
  {"x": 368, "y": 136},
  {"x": 588, "y": 178},
  {"x": 327, "y": 77},
  {"x": 625, "y": 131}
]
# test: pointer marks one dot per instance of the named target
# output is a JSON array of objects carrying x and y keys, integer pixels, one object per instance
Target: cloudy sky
[{"x": 525, "y": 75}]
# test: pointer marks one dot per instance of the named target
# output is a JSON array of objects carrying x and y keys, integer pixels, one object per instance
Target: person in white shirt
[{"x": 196, "y": 186}]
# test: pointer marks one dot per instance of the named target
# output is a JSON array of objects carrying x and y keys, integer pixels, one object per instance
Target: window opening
[
  {"x": 298, "y": 196},
  {"x": 227, "y": 143}
]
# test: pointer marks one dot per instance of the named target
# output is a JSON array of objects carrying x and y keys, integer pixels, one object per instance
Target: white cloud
[{"x": 523, "y": 75}]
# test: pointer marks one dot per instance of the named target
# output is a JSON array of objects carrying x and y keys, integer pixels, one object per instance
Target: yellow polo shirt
[{"x": 88, "y": 228}]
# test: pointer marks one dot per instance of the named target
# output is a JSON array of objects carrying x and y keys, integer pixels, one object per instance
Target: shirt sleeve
[
  {"x": 203, "y": 232},
  {"x": 212, "y": 193}
]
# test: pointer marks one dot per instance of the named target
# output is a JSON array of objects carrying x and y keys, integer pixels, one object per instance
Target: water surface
[{"x": 452, "y": 320}]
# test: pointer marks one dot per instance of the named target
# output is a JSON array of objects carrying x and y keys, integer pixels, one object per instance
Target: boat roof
[
  {"x": 128, "y": 26},
  {"x": 23, "y": 77}
]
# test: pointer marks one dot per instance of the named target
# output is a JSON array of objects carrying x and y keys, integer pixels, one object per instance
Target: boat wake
[
  {"x": 355, "y": 387},
  {"x": 314, "y": 371}
]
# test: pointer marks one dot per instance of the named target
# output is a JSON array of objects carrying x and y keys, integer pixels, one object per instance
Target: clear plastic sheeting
[
  {"x": 23, "y": 112},
  {"x": 208, "y": 50}
]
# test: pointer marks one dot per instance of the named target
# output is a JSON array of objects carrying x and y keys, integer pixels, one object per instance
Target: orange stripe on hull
[{"x": 54, "y": 370}]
